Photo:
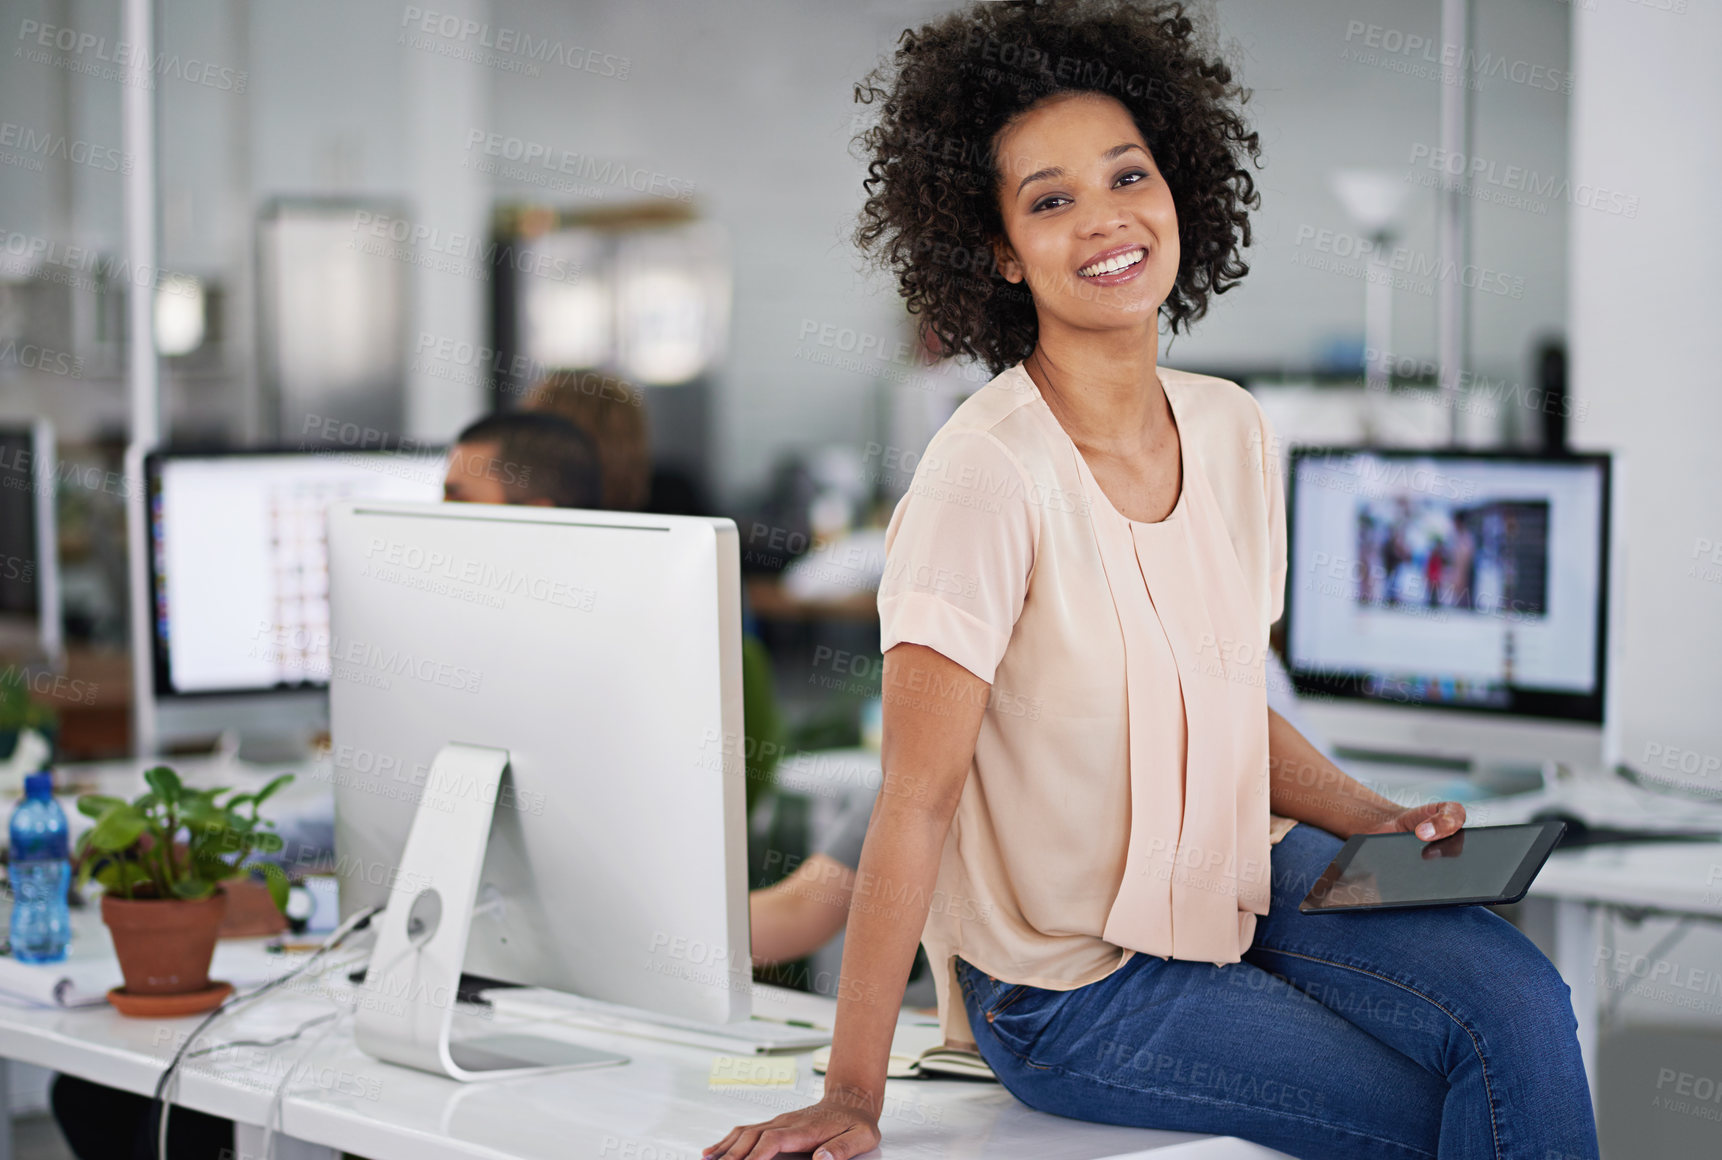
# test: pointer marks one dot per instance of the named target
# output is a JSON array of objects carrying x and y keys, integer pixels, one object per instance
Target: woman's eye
[{"x": 1135, "y": 176}]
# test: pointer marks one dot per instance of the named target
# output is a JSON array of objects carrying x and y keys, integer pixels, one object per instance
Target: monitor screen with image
[
  {"x": 239, "y": 577},
  {"x": 1463, "y": 580}
]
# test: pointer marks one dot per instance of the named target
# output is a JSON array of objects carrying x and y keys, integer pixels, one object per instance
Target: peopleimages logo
[
  {"x": 1489, "y": 180},
  {"x": 358, "y": 661},
  {"x": 92, "y": 55},
  {"x": 499, "y": 46},
  {"x": 1399, "y": 51},
  {"x": 530, "y": 157},
  {"x": 39, "y": 145}
]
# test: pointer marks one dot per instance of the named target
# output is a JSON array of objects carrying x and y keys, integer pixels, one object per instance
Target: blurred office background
[{"x": 377, "y": 222}]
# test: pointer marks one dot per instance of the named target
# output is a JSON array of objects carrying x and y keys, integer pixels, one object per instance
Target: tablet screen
[{"x": 1401, "y": 869}]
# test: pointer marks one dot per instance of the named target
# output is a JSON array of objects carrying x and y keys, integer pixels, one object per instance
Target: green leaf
[
  {"x": 213, "y": 869},
  {"x": 118, "y": 828},
  {"x": 115, "y": 875},
  {"x": 276, "y": 879},
  {"x": 198, "y": 813},
  {"x": 193, "y": 888},
  {"x": 92, "y": 805},
  {"x": 268, "y": 791},
  {"x": 165, "y": 782}
]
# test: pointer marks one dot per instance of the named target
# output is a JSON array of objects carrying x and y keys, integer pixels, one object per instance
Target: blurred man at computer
[{"x": 524, "y": 457}]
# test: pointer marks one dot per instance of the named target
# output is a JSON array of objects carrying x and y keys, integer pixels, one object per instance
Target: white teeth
[{"x": 1113, "y": 265}]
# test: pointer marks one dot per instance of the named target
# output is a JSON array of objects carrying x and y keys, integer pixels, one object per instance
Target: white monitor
[
  {"x": 239, "y": 561},
  {"x": 30, "y": 625},
  {"x": 599, "y": 654},
  {"x": 1450, "y": 603}
]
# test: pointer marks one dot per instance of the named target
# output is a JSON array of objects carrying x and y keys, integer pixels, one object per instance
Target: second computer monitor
[
  {"x": 239, "y": 584},
  {"x": 602, "y": 652},
  {"x": 1471, "y": 583}
]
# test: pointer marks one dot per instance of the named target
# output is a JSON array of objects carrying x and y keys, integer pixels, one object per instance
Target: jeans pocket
[
  {"x": 1005, "y": 998},
  {"x": 989, "y": 996},
  {"x": 1021, "y": 1014}
]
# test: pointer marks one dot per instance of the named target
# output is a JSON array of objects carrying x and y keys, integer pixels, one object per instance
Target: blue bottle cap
[{"x": 39, "y": 785}]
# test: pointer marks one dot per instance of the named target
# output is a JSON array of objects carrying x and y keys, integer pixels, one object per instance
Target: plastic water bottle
[{"x": 41, "y": 874}]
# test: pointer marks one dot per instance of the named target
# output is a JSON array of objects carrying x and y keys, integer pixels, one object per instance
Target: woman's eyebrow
[{"x": 1055, "y": 171}]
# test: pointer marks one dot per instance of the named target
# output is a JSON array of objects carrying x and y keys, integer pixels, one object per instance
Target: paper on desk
[
  {"x": 753, "y": 1071},
  {"x": 73, "y": 983},
  {"x": 91, "y": 970}
]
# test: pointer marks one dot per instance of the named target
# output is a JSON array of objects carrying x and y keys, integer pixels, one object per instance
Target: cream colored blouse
[{"x": 1118, "y": 799}]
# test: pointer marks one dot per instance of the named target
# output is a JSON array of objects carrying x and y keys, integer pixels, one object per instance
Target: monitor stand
[{"x": 421, "y": 940}]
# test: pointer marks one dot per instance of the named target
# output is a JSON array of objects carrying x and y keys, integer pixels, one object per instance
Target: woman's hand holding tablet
[
  {"x": 1431, "y": 821},
  {"x": 1389, "y": 869}
]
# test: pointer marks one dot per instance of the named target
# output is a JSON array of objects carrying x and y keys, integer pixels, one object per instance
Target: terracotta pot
[
  {"x": 164, "y": 948},
  {"x": 251, "y": 911}
]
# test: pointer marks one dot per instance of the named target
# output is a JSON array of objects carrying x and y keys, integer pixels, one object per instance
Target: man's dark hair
[{"x": 540, "y": 456}]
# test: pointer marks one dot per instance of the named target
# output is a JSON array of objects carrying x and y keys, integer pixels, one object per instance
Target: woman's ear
[{"x": 1004, "y": 257}]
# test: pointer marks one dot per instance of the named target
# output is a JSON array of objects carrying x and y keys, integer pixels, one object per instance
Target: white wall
[
  {"x": 1326, "y": 98},
  {"x": 751, "y": 101},
  {"x": 1645, "y": 300},
  {"x": 754, "y": 104}
]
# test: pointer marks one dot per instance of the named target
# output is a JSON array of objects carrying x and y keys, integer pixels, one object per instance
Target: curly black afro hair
[{"x": 932, "y": 209}]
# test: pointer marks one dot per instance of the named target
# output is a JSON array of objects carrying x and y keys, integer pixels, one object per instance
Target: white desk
[
  {"x": 1671, "y": 878},
  {"x": 658, "y": 1107}
]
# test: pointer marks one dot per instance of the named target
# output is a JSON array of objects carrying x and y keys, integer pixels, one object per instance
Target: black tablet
[{"x": 1479, "y": 865}]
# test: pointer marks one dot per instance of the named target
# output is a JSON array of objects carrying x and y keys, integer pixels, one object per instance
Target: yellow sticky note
[{"x": 753, "y": 1071}]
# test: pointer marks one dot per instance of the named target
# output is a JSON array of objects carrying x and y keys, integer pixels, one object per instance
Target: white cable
[
  {"x": 275, "y": 1121},
  {"x": 265, "y": 1043},
  {"x": 163, "y": 1094}
]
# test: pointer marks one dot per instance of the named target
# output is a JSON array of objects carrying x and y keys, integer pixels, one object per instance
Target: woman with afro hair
[{"x": 1089, "y": 816}]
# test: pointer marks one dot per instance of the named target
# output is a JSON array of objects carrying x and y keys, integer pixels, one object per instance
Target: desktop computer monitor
[
  {"x": 238, "y": 541},
  {"x": 600, "y": 652},
  {"x": 30, "y": 627},
  {"x": 1450, "y": 603}
]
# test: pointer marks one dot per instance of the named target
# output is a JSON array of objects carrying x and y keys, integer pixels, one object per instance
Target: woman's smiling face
[{"x": 1089, "y": 222}]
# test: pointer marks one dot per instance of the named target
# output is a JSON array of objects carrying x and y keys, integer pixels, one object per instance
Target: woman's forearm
[
  {"x": 933, "y": 710},
  {"x": 887, "y": 912},
  {"x": 1305, "y": 785}
]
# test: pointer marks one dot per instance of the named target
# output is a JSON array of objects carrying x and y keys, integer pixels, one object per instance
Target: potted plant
[{"x": 163, "y": 899}]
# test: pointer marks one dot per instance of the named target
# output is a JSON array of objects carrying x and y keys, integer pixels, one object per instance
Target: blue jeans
[{"x": 1417, "y": 1033}]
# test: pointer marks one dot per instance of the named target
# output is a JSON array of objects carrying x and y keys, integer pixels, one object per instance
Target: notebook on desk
[{"x": 918, "y": 1051}]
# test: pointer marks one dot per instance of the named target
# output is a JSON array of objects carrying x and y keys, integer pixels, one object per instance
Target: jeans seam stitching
[
  {"x": 1482, "y": 1062},
  {"x": 1027, "y": 1062}
]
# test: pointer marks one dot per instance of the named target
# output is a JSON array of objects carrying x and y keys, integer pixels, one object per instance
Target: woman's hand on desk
[
  {"x": 1431, "y": 822},
  {"x": 832, "y": 1129}
]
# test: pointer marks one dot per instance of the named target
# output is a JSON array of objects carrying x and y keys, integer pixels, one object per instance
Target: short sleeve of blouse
[
  {"x": 958, "y": 552},
  {"x": 1273, "y": 486}
]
